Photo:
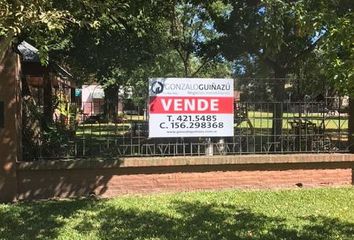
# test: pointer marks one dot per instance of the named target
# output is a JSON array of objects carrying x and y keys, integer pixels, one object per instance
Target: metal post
[{"x": 209, "y": 150}]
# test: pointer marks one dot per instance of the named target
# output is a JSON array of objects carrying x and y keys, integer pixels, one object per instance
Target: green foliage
[
  {"x": 17, "y": 15},
  {"x": 31, "y": 129},
  {"x": 311, "y": 214},
  {"x": 20, "y": 15},
  {"x": 39, "y": 139},
  {"x": 285, "y": 35},
  {"x": 129, "y": 34},
  {"x": 55, "y": 140},
  {"x": 123, "y": 43},
  {"x": 338, "y": 54},
  {"x": 190, "y": 36}
]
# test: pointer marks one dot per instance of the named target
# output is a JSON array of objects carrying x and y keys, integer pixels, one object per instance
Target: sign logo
[{"x": 157, "y": 87}]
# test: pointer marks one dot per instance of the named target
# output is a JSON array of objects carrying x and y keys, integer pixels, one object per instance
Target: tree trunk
[
  {"x": 185, "y": 69},
  {"x": 47, "y": 98},
  {"x": 111, "y": 101}
]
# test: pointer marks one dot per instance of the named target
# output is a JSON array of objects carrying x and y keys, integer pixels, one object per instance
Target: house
[
  {"x": 52, "y": 87},
  {"x": 93, "y": 100}
]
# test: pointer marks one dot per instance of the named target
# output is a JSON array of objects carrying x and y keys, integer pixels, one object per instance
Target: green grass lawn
[
  {"x": 326, "y": 213},
  {"x": 264, "y": 120},
  {"x": 259, "y": 120},
  {"x": 103, "y": 129}
]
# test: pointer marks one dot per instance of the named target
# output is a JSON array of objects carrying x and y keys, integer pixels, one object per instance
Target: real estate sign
[{"x": 191, "y": 107}]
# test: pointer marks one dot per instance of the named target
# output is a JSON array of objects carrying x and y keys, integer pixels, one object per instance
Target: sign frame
[{"x": 191, "y": 107}]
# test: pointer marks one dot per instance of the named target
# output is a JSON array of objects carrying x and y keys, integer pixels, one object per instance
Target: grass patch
[
  {"x": 325, "y": 213},
  {"x": 266, "y": 123},
  {"x": 259, "y": 120},
  {"x": 103, "y": 129},
  {"x": 264, "y": 120}
]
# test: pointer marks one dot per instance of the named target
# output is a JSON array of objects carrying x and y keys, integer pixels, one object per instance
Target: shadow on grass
[
  {"x": 40, "y": 220},
  {"x": 210, "y": 221},
  {"x": 183, "y": 220}
]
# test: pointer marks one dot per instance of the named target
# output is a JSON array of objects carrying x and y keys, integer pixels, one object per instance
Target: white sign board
[{"x": 191, "y": 107}]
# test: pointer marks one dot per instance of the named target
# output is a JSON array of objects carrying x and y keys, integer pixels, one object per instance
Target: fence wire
[{"x": 308, "y": 125}]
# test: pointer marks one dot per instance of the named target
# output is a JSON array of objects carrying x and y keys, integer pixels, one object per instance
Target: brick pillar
[
  {"x": 351, "y": 124},
  {"x": 10, "y": 131},
  {"x": 351, "y": 130}
]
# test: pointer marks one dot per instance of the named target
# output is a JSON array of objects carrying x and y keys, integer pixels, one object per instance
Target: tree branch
[
  {"x": 273, "y": 64},
  {"x": 309, "y": 48},
  {"x": 120, "y": 21},
  {"x": 201, "y": 67},
  {"x": 184, "y": 60}
]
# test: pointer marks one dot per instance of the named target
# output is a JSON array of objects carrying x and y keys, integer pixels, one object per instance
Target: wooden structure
[{"x": 44, "y": 82}]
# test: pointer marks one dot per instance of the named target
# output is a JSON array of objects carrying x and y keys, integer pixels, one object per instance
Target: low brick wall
[{"x": 73, "y": 178}]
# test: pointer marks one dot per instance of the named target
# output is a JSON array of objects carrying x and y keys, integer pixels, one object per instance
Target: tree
[
  {"x": 190, "y": 30},
  {"x": 128, "y": 37},
  {"x": 16, "y": 16},
  {"x": 281, "y": 34},
  {"x": 337, "y": 50},
  {"x": 157, "y": 39},
  {"x": 106, "y": 42}
]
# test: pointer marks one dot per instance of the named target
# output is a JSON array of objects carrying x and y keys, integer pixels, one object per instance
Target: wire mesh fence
[
  {"x": 306, "y": 126},
  {"x": 313, "y": 131}
]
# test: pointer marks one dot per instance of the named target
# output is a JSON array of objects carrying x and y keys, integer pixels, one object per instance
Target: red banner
[{"x": 185, "y": 105}]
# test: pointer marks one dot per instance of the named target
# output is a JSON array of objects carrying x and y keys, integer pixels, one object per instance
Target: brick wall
[
  {"x": 10, "y": 134},
  {"x": 109, "y": 178}
]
